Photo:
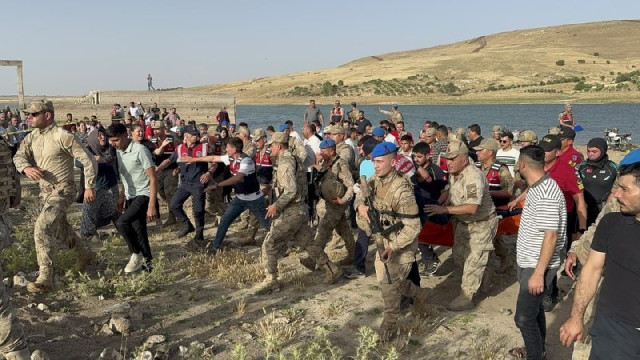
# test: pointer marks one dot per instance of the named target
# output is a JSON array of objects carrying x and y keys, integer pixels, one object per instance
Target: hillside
[{"x": 600, "y": 64}]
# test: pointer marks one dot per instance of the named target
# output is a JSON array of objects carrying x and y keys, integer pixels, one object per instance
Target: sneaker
[
  {"x": 430, "y": 268},
  {"x": 549, "y": 302},
  {"x": 135, "y": 263},
  {"x": 354, "y": 273}
]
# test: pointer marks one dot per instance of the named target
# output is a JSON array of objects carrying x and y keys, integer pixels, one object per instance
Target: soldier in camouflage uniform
[
  {"x": 332, "y": 212},
  {"x": 344, "y": 150},
  {"x": 393, "y": 197},
  {"x": 12, "y": 343},
  {"x": 289, "y": 213},
  {"x": 474, "y": 220},
  {"x": 394, "y": 114},
  {"x": 46, "y": 155}
]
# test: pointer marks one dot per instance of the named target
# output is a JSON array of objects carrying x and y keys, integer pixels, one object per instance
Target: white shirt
[
  {"x": 312, "y": 145},
  {"x": 390, "y": 138},
  {"x": 353, "y": 145},
  {"x": 294, "y": 134},
  {"x": 508, "y": 158},
  {"x": 135, "y": 111},
  {"x": 247, "y": 167}
]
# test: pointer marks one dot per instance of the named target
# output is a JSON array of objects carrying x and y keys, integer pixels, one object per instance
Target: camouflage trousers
[
  {"x": 471, "y": 247},
  {"x": 11, "y": 335},
  {"x": 333, "y": 217},
  {"x": 393, "y": 286},
  {"x": 292, "y": 223},
  {"x": 167, "y": 185},
  {"x": 247, "y": 220},
  {"x": 52, "y": 224},
  {"x": 215, "y": 204}
]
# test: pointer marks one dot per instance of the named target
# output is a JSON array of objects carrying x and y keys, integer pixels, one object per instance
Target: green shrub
[
  {"x": 581, "y": 61},
  {"x": 560, "y": 62},
  {"x": 596, "y": 54}
]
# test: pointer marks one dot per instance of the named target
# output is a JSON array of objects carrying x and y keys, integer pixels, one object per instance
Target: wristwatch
[{"x": 582, "y": 231}]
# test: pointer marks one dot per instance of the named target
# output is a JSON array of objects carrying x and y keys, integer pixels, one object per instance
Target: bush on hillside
[
  {"x": 581, "y": 61},
  {"x": 560, "y": 62}
]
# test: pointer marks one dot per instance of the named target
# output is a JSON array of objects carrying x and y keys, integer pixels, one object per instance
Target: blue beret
[
  {"x": 630, "y": 158},
  {"x": 284, "y": 127},
  {"x": 394, "y": 105},
  {"x": 382, "y": 149},
  {"x": 353, "y": 103},
  {"x": 378, "y": 132},
  {"x": 327, "y": 143}
]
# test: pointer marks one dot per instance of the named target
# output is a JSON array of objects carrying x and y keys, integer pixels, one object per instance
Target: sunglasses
[
  {"x": 504, "y": 141},
  {"x": 35, "y": 114}
]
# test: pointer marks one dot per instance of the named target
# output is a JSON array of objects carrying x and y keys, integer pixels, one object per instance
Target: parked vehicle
[{"x": 616, "y": 141}]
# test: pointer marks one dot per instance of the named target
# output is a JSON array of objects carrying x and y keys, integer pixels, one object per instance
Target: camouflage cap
[
  {"x": 497, "y": 129},
  {"x": 554, "y": 130},
  {"x": 455, "y": 148},
  {"x": 334, "y": 129},
  {"x": 258, "y": 133},
  {"x": 487, "y": 144},
  {"x": 430, "y": 132},
  {"x": 242, "y": 130},
  {"x": 157, "y": 124},
  {"x": 528, "y": 136},
  {"x": 213, "y": 131},
  {"x": 331, "y": 189},
  {"x": 279, "y": 137},
  {"x": 38, "y": 106}
]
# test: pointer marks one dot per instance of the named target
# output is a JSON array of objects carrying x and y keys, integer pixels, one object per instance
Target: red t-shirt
[
  {"x": 568, "y": 181},
  {"x": 571, "y": 156}
]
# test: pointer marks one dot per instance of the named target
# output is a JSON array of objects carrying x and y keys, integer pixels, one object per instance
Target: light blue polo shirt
[{"x": 133, "y": 164}]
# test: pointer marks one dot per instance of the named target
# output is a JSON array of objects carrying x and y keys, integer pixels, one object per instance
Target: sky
[{"x": 72, "y": 47}]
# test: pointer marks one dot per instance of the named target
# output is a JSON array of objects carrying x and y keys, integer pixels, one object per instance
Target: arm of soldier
[
  {"x": 573, "y": 328},
  {"x": 286, "y": 174},
  {"x": 22, "y": 160},
  {"x": 472, "y": 200},
  {"x": 166, "y": 162},
  {"x": 506, "y": 183},
  {"x": 208, "y": 158},
  {"x": 345, "y": 177},
  {"x": 386, "y": 112},
  {"x": 408, "y": 208}
]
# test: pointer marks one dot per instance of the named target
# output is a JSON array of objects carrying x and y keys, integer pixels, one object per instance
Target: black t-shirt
[
  {"x": 474, "y": 143},
  {"x": 432, "y": 189},
  {"x": 362, "y": 125},
  {"x": 618, "y": 236}
]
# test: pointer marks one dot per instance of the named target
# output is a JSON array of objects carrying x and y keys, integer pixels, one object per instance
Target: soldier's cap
[
  {"x": 284, "y": 127},
  {"x": 369, "y": 145},
  {"x": 242, "y": 130},
  {"x": 456, "y": 148},
  {"x": 258, "y": 133},
  {"x": 334, "y": 129},
  {"x": 384, "y": 148},
  {"x": 213, "y": 131},
  {"x": 353, "y": 103},
  {"x": 498, "y": 129},
  {"x": 279, "y": 137},
  {"x": 554, "y": 130},
  {"x": 377, "y": 132},
  {"x": 487, "y": 144},
  {"x": 529, "y": 136},
  {"x": 85, "y": 119},
  {"x": 631, "y": 158},
  {"x": 430, "y": 132},
  {"x": 37, "y": 106},
  {"x": 567, "y": 133},
  {"x": 157, "y": 124},
  {"x": 394, "y": 105},
  {"x": 327, "y": 143},
  {"x": 189, "y": 129},
  {"x": 550, "y": 142}
]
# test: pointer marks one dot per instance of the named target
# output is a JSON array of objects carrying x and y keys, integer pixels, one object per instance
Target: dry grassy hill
[{"x": 513, "y": 66}]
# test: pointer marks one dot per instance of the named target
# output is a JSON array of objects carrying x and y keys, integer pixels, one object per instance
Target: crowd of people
[{"x": 348, "y": 174}]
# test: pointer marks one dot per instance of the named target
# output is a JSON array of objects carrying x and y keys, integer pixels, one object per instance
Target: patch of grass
[
  {"x": 241, "y": 306},
  {"x": 334, "y": 308},
  {"x": 485, "y": 347},
  {"x": 233, "y": 268},
  {"x": 274, "y": 332}
]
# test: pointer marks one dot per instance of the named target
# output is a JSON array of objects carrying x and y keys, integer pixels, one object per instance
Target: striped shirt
[{"x": 544, "y": 209}]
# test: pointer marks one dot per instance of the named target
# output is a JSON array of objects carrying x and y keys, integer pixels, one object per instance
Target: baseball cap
[
  {"x": 529, "y": 136},
  {"x": 335, "y": 129},
  {"x": 394, "y": 105},
  {"x": 327, "y": 143},
  {"x": 430, "y": 132},
  {"x": 498, "y": 129},
  {"x": 213, "y": 131},
  {"x": 189, "y": 129},
  {"x": 455, "y": 148},
  {"x": 353, "y": 103},
  {"x": 283, "y": 127},
  {"x": 38, "y": 106},
  {"x": 242, "y": 130},
  {"x": 567, "y": 133},
  {"x": 550, "y": 142},
  {"x": 157, "y": 124},
  {"x": 378, "y": 132},
  {"x": 383, "y": 149},
  {"x": 368, "y": 146},
  {"x": 630, "y": 158},
  {"x": 554, "y": 130},
  {"x": 258, "y": 133},
  {"x": 278, "y": 137},
  {"x": 487, "y": 144}
]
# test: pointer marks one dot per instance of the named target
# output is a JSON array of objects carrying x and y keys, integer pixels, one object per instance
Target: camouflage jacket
[{"x": 289, "y": 181}]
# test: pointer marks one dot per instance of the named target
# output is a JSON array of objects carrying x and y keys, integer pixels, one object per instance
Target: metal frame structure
[{"x": 18, "y": 65}]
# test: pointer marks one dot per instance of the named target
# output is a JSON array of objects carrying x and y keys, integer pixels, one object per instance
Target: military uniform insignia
[{"x": 472, "y": 191}]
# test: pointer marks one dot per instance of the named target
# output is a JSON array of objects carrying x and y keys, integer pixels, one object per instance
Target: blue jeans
[
  {"x": 360, "y": 251},
  {"x": 235, "y": 208},
  {"x": 612, "y": 339},
  {"x": 530, "y": 318}
]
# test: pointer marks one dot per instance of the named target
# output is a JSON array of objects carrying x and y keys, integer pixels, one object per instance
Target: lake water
[{"x": 594, "y": 118}]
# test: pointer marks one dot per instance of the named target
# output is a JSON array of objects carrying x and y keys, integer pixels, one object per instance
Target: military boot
[
  {"x": 420, "y": 301},
  {"x": 332, "y": 272},
  {"x": 171, "y": 220},
  {"x": 270, "y": 284},
  {"x": 388, "y": 331},
  {"x": 44, "y": 282},
  {"x": 185, "y": 228},
  {"x": 23, "y": 354},
  {"x": 463, "y": 302},
  {"x": 308, "y": 262}
]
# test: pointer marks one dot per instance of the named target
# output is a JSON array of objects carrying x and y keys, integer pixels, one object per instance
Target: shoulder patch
[{"x": 472, "y": 191}]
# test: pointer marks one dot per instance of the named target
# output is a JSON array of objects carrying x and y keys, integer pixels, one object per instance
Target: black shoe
[
  {"x": 199, "y": 236},
  {"x": 354, "y": 273},
  {"x": 430, "y": 268},
  {"x": 185, "y": 229},
  {"x": 549, "y": 302}
]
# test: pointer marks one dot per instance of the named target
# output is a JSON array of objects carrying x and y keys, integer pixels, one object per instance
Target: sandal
[{"x": 519, "y": 352}]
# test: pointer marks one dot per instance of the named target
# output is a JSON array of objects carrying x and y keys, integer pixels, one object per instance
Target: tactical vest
[
  {"x": 198, "y": 150},
  {"x": 169, "y": 149},
  {"x": 493, "y": 178},
  {"x": 264, "y": 167},
  {"x": 250, "y": 185}
]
